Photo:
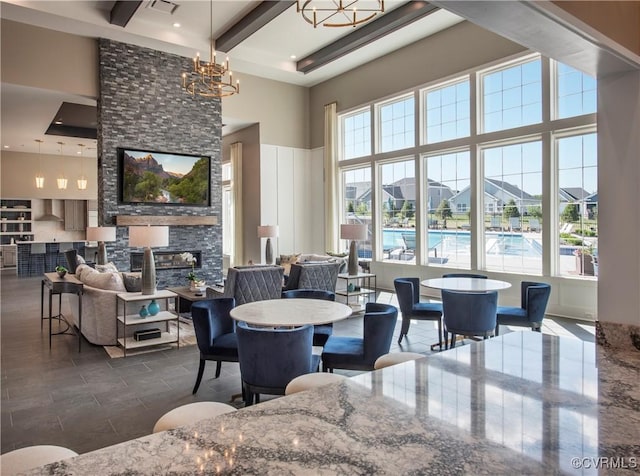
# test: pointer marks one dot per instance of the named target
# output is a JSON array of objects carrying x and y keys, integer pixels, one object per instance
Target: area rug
[{"x": 187, "y": 337}]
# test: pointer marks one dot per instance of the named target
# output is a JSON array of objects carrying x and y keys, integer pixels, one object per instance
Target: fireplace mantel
[{"x": 127, "y": 220}]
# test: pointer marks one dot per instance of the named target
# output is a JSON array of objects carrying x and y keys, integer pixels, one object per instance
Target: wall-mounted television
[{"x": 163, "y": 178}]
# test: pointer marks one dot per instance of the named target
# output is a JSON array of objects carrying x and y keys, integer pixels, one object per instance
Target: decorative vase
[
  {"x": 196, "y": 285},
  {"x": 143, "y": 311},
  {"x": 61, "y": 273},
  {"x": 154, "y": 307}
]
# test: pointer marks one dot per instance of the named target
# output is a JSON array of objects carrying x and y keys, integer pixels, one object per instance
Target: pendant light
[
  {"x": 39, "y": 175},
  {"x": 62, "y": 180},
  {"x": 82, "y": 180}
]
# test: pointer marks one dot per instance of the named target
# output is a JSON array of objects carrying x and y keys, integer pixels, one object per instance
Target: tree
[
  {"x": 407, "y": 209},
  {"x": 535, "y": 212},
  {"x": 350, "y": 208},
  {"x": 570, "y": 214},
  {"x": 149, "y": 187},
  {"x": 510, "y": 210},
  {"x": 362, "y": 208},
  {"x": 444, "y": 211}
]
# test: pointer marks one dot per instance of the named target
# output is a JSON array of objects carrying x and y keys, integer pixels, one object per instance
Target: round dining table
[
  {"x": 290, "y": 312},
  {"x": 467, "y": 285}
]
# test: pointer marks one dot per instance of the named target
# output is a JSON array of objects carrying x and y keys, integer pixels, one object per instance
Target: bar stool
[
  {"x": 191, "y": 413},
  {"x": 24, "y": 459},
  {"x": 63, "y": 247},
  {"x": 312, "y": 380},
  {"x": 37, "y": 250},
  {"x": 393, "y": 358}
]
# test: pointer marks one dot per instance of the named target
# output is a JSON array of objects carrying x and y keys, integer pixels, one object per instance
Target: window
[
  {"x": 513, "y": 188},
  {"x": 575, "y": 92},
  {"x": 512, "y": 97},
  {"x": 447, "y": 112},
  {"x": 397, "y": 125},
  {"x": 356, "y": 193},
  {"x": 397, "y": 201},
  {"x": 449, "y": 209},
  {"x": 578, "y": 205},
  {"x": 356, "y": 137}
]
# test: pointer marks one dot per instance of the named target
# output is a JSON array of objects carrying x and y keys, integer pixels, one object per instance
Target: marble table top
[
  {"x": 469, "y": 285},
  {"x": 522, "y": 403},
  {"x": 291, "y": 312}
]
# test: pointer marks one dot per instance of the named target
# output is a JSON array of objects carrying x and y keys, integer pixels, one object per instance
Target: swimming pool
[{"x": 496, "y": 243}]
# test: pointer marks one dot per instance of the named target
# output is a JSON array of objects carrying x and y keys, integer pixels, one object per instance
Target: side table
[
  {"x": 57, "y": 285},
  {"x": 362, "y": 286},
  {"x": 186, "y": 298}
]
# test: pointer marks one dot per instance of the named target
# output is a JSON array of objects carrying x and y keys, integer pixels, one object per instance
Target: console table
[{"x": 57, "y": 285}]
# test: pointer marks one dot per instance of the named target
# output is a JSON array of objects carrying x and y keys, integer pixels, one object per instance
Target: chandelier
[
  {"x": 338, "y": 13},
  {"x": 210, "y": 80}
]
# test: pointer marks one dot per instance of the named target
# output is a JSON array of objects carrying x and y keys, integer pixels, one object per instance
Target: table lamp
[
  {"x": 147, "y": 237},
  {"x": 101, "y": 234},
  {"x": 268, "y": 232},
  {"x": 353, "y": 232}
]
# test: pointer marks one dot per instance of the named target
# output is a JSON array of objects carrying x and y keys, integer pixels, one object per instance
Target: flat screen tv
[{"x": 164, "y": 178}]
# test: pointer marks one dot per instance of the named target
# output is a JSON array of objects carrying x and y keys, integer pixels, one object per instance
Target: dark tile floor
[{"x": 87, "y": 400}]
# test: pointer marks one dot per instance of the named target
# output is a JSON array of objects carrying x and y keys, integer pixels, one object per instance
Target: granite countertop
[{"x": 522, "y": 403}]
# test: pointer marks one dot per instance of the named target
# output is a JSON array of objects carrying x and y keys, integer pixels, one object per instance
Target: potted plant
[
  {"x": 61, "y": 270},
  {"x": 194, "y": 282}
]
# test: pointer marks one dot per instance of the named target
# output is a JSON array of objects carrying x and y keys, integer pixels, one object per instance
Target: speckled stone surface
[
  {"x": 523, "y": 403},
  {"x": 623, "y": 336}
]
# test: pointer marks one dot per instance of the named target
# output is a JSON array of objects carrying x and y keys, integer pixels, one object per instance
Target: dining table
[{"x": 291, "y": 312}]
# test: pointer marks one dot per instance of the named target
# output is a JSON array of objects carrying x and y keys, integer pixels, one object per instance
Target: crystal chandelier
[
  {"x": 338, "y": 13},
  {"x": 62, "y": 180},
  {"x": 82, "y": 180},
  {"x": 211, "y": 80},
  {"x": 39, "y": 176}
]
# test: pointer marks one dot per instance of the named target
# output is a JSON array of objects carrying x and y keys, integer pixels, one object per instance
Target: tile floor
[{"x": 86, "y": 400}]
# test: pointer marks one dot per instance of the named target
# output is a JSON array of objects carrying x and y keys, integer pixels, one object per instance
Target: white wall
[{"x": 291, "y": 196}]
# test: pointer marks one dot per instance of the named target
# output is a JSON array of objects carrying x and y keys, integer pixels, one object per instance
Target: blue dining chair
[
  {"x": 533, "y": 298},
  {"x": 321, "y": 332},
  {"x": 271, "y": 358},
  {"x": 408, "y": 294},
  {"x": 215, "y": 333},
  {"x": 361, "y": 353},
  {"x": 468, "y": 314}
]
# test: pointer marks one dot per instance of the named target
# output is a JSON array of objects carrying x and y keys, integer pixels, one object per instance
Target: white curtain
[
  {"x": 330, "y": 186},
  {"x": 236, "y": 188}
]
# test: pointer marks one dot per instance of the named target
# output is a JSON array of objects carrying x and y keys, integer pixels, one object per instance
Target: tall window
[
  {"x": 575, "y": 92},
  {"x": 512, "y": 97},
  {"x": 397, "y": 125},
  {"x": 356, "y": 134},
  {"x": 357, "y": 206},
  {"x": 578, "y": 205},
  {"x": 447, "y": 112},
  {"x": 397, "y": 200},
  {"x": 513, "y": 193},
  {"x": 449, "y": 209}
]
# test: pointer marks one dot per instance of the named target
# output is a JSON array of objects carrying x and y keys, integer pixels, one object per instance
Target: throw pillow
[
  {"x": 80, "y": 259},
  {"x": 287, "y": 260},
  {"x": 106, "y": 268},
  {"x": 106, "y": 281},
  {"x": 132, "y": 281}
]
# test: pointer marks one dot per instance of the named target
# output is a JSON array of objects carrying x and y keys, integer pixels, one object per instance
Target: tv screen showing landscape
[{"x": 163, "y": 178}]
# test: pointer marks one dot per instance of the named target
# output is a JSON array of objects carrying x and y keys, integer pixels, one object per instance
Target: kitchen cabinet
[
  {"x": 8, "y": 256},
  {"x": 75, "y": 215}
]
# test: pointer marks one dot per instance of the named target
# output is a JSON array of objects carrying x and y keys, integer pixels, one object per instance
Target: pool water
[{"x": 496, "y": 243}]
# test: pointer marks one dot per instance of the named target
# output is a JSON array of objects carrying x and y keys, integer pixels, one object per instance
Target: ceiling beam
[
  {"x": 250, "y": 23},
  {"x": 374, "y": 30},
  {"x": 122, "y": 12}
]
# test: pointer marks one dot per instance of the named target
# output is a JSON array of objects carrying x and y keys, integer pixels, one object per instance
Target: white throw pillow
[{"x": 106, "y": 281}]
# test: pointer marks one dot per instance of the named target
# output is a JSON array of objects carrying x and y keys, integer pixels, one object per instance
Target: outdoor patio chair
[
  {"x": 514, "y": 223},
  {"x": 534, "y": 224}
]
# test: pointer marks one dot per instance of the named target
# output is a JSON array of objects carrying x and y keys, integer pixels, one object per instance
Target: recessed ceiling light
[
  {"x": 6, "y": 146},
  {"x": 58, "y": 122},
  {"x": 176, "y": 25},
  {"x": 293, "y": 56}
]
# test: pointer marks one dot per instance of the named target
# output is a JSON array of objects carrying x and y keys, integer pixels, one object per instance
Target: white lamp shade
[
  {"x": 268, "y": 231},
  {"x": 101, "y": 233},
  {"x": 353, "y": 232},
  {"x": 148, "y": 236}
]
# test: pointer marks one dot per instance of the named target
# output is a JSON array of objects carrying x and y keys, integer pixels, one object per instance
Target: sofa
[
  {"x": 251, "y": 283},
  {"x": 99, "y": 303}
]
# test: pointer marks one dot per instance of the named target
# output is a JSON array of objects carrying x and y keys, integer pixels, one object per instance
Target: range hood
[{"x": 48, "y": 212}]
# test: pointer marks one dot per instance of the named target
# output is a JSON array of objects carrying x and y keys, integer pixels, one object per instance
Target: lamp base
[
  {"x": 102, "y": 253},
  {"x": 353, "y": 259},
  {"x": 148, "y": 272},
  {"x": 268, "y": 252}
]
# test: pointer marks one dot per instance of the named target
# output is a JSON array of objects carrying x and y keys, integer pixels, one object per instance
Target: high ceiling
[{"x": 266, "y": 52}]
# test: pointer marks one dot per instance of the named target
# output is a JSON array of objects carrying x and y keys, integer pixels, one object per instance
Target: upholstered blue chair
[
  {"x": 469, "y": 314},
  {"x": 408, "y": 294},
  {"x": 361, "y": 353},
  {"x": 215, "y": 333},
  {"x": 322, "y": 332},
  {"x": 534, "y": 298},
  {"x": 270, "y": 358}
]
